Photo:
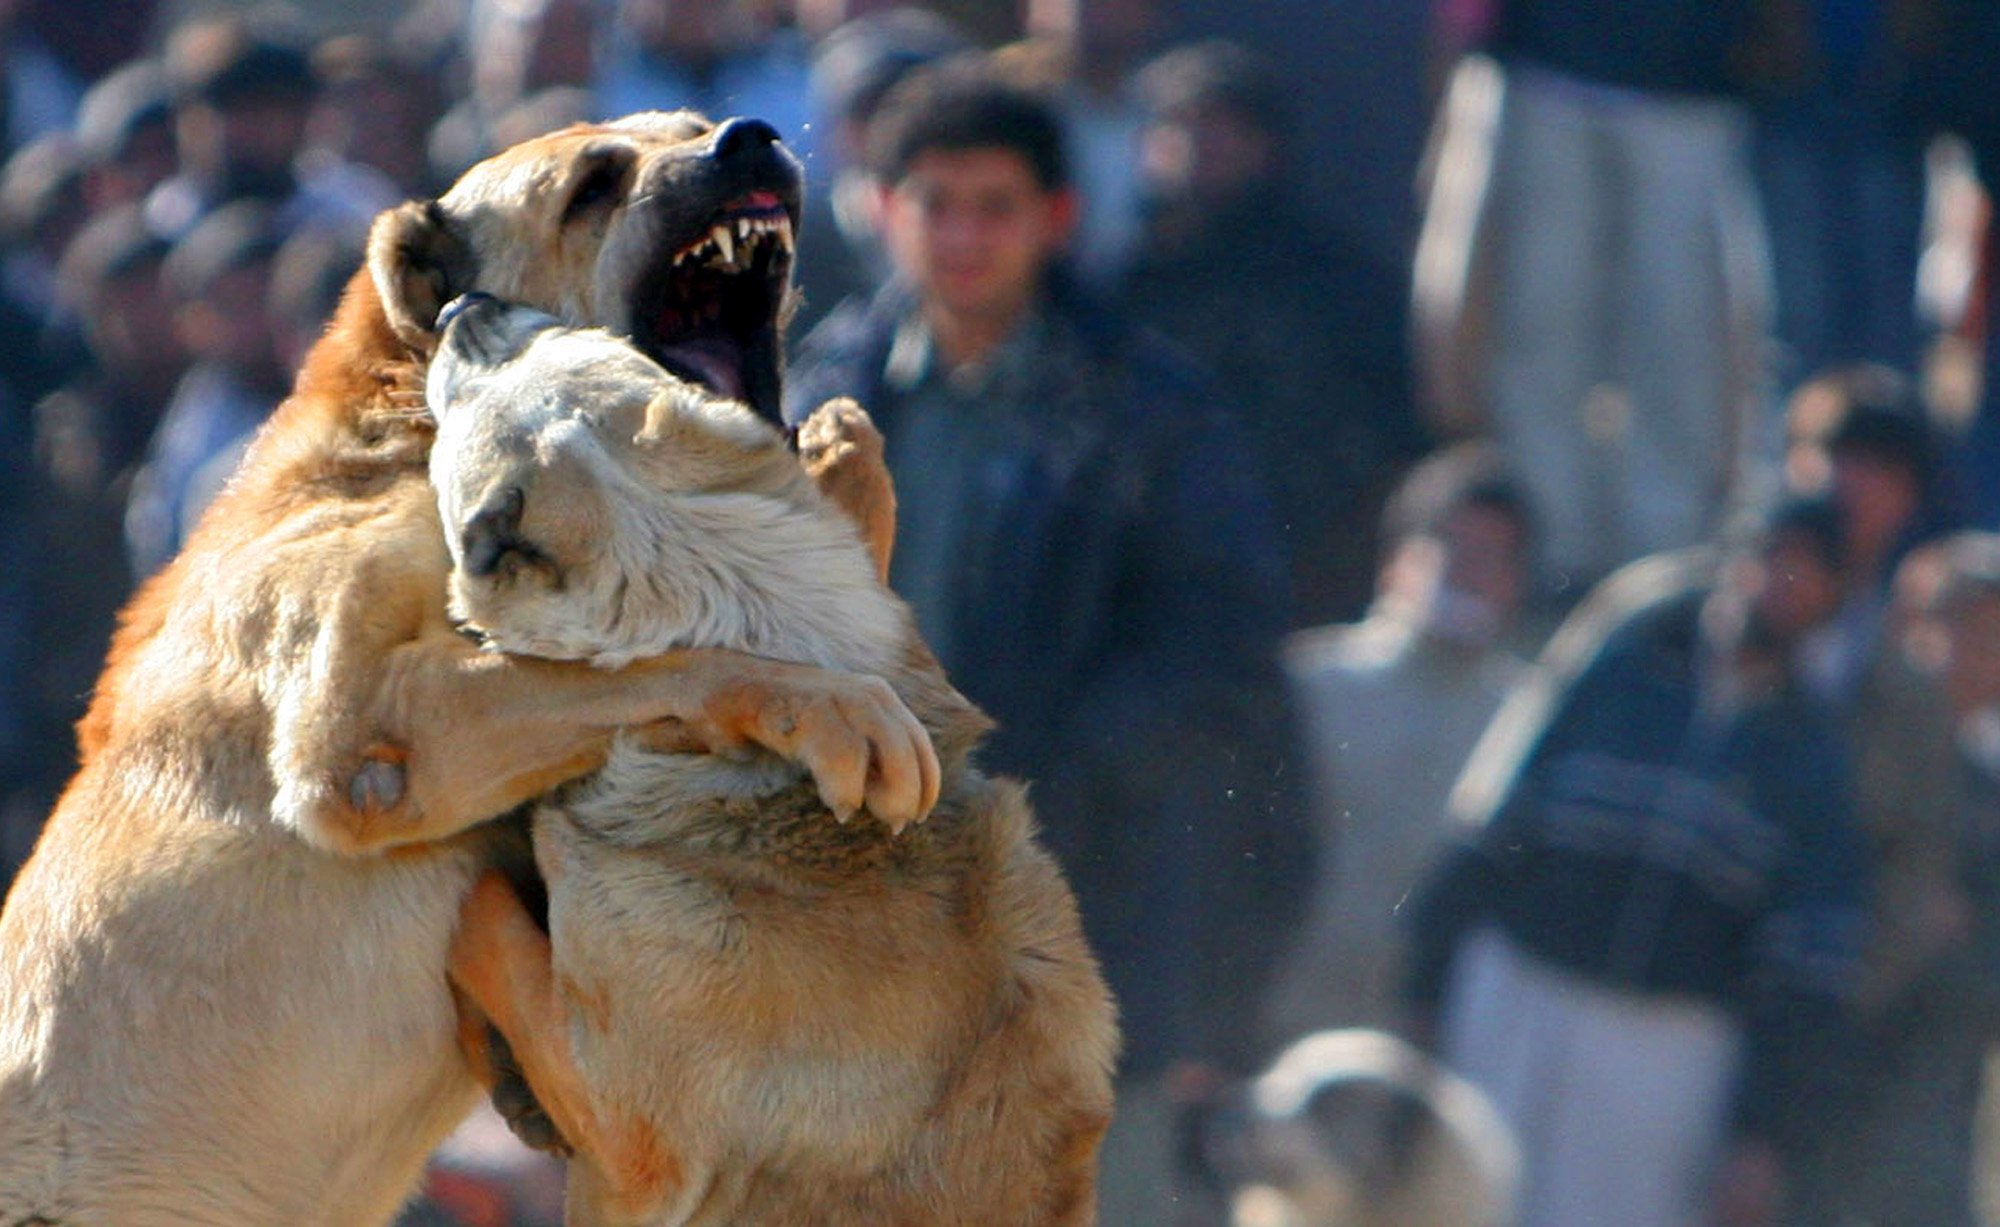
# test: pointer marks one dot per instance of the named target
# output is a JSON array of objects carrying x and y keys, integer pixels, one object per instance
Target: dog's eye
[{"x": 598, "y": 185}]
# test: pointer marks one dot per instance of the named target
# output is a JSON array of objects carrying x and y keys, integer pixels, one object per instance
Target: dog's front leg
[
  {"x": 843, "y": 453},
  {"x": 465, "y": 735}
]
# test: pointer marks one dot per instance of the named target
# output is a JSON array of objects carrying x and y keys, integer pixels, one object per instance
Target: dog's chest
[
  {"x": 711, "y": 854},
  {"x": 792, "y": 985}
]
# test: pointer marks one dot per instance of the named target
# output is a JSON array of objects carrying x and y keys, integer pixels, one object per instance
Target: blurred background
[{"x": 1496, "y": 299}]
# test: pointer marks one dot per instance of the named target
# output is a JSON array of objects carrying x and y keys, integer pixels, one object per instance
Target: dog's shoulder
[{"x": 347, "y": 448}]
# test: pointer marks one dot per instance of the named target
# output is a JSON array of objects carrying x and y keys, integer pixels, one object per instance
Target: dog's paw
[
  {"x": 515, "y": 1100},
  {"x": 853, "y": 733},
  {"x": 838, "y": 436},
  {"x": 843, "y": 453}
]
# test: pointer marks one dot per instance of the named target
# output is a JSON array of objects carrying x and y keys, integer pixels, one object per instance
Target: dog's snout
[
  {"x": 736, "y": 137},
  {"x": 493, "y": 532},
  {"x": 469, "y": 301},
  {"x": 482, "y": 331},
  {"x": 473, "y": 328}
]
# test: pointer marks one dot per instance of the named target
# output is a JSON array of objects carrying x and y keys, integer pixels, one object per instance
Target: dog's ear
[{"x": 419, "y": 262}]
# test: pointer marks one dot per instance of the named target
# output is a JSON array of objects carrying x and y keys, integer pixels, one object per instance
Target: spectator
[
  {"x": 1860, "y": 435},
  {"x": 242, "y": 96},
  {"x": 1087, "y": 553},
  {"x": 92, "y": 430},
  {"x": 1353, "y": 76},
  {"x": 125, "y": 129},
  {"x": 374, "y": 109},
  {"x": 307, "y": 277},
  {"x": 1904, "y": 1153},
  {"x": 41, "y": 210},
  {"x": 1840, "y": 165},
  {"x": 218, "y": 279},
  {"x": 364, "y": 137},
  {"x": 1602, "y": 291},
  {"x": 89, "y": 436},
  {"x": 1646, "y": 945},
  {"x": 1082, "y": 54},
  {"x": 1389, "y": 708},
  {"x": 714, "y": 56},
  {"x": 1231, "y": 265},
  {"x": 853, "y": 68},
  {"x": 50, "y": 51},
  {"x": 515, "y": 53},
  {"x": 1955, "y": 93}
]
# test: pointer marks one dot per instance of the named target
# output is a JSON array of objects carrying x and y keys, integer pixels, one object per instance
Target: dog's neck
[{"x": 785, "y": 577}]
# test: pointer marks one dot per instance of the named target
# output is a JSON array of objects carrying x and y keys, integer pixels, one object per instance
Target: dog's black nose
[
  {"x": 463, "y": 303},
  {"x": 493, "y": 532},
  {"x": 734, "y": 137}
]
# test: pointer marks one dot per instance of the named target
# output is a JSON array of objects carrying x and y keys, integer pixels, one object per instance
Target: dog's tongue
[{"x": 714, "y": 360}]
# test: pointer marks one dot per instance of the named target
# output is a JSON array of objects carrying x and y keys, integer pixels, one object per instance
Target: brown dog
[
  {"x": 749, "y": 1010},
  {"x": 222, "y": 988}
]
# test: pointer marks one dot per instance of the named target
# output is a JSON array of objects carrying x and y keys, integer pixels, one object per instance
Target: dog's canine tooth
[{"x": 731, "y": 244}]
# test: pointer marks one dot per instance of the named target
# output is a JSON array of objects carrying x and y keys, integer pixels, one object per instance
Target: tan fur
[
  {"x": 842, "y": 452},
  {"x": 747, "y": 1012},
  {"x": 222, "y": 989}
]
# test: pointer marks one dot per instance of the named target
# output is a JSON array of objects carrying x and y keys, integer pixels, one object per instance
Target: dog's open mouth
[{"x": 709, "y": 313}]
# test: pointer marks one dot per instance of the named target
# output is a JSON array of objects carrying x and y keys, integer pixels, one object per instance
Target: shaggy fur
[
  {"x": 222, "y": 972},
  {"x": 750, "y": 1011}
]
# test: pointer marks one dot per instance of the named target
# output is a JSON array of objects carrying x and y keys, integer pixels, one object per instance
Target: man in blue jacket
[
  {"x": 1089, "y": 554},
  {"x": 1646, "y": 944}
]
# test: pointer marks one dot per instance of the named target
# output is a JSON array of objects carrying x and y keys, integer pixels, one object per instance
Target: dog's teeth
[
  {"x": 783, "y": 229},
  {"x": 727, "y": 242}
]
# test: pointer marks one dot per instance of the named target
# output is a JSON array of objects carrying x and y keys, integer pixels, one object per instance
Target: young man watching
[{"x": 1090, "y": 556}]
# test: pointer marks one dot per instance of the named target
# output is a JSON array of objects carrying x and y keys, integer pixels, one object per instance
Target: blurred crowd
[{"x": 1481, "y": 520}]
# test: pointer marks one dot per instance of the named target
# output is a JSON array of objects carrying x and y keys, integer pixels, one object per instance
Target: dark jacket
[
  {"x": 1641, "y": 845},
  {"x": 1110, "y": 591},
  {"x": 1668, "y": 46},
  {"x": 1316, "y": 372}
]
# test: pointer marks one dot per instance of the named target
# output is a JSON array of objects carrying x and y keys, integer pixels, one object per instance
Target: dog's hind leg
[{"x": 501, "y": 960}]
